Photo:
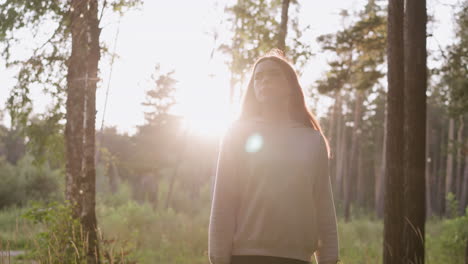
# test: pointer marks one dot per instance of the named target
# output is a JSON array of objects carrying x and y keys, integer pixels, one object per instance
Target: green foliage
[
  {"x": 360, "y": 241},
  {"x": 452, "y": 205},
  {"x": 255, "y": 25},
  {"x": 117, "y": 199},
  {"x": 46, "y": 140},
  {"x": 161, "y": 98},
  {"x": 145, "y": 234},
  {"x": 159, "y": 235},
  {"x": 358, "y": 50},
  {"x": 44, "y": 67},
  {"x": 446, "y": 240},
  {"x": 455, "y": 237},
  {"x": 454, "y": 72},
  {"x": 25, "y": 182},
  {"x": 12, "y": 144},
  {"x": 64, "y": 241},
  {"x": 14, "y": 230},
  {"x": 122, "y": 6}
]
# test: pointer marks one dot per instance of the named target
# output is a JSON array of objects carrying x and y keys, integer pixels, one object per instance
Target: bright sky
[{"x": 176, "y": 34}]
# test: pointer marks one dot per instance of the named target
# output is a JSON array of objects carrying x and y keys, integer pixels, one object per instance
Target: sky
[{"x": 177, "y": 35}]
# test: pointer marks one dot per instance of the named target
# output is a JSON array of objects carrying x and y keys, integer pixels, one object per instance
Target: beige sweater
[{"x": 272, "y": 195}]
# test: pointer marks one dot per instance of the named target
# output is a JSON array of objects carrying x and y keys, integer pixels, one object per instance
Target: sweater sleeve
[
  {"x": 327, "y": 228},
  {"x": 223, "y": 207}
]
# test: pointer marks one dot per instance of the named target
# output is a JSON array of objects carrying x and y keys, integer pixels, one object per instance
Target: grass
[
  {"x": 167, "y": 236},
  {"x": 14, "y": 230}
]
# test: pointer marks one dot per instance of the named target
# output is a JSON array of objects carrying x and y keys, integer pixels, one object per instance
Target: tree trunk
[
  {"x": 464, "y": 191},
  {"x": 81, "y": 115},
  {"x": 340, "y": 148},
  {"x": 75, "y": 106},
  {"x": 435, "y": 157},
  {"x": 415, "y": 134},
  {"x": 379, "y": 192},
  {"x": 332, "y": 136},
  {"x": 283, "y": 26},
  {"x": 449, "y": 183},
  {"x": 427, "y": 168},
  {"x": 342, "y": 161},
  {"x": 393, "y": 199},
  {"x": 361, "y": 173},
  {"x": 89, "y": 218},
  {"x": 441, "y": 172},
  {"x": 351, "y": 185},
  {"x": 459, "y": 160}
]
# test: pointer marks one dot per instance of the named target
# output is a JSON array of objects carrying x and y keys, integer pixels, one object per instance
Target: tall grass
[{"x": 158, "y": 235}]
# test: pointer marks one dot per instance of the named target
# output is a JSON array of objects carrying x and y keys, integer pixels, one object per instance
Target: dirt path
[{"x": 7, "y": 256}]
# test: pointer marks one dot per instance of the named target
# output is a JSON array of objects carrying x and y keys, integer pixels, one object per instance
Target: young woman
[{"x": 272, "y": 200}]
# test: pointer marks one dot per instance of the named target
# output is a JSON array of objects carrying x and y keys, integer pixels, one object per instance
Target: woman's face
[{"x": 270, "y": 82}]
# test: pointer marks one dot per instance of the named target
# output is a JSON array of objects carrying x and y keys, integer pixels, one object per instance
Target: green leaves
[
  {"x": 454, "y": 81},
  {"x": 358, "y": 49},
  {"x": 45, "y": 68},
  {"x": 255, "y": 26},
  {"x": 161, "y": 98}
]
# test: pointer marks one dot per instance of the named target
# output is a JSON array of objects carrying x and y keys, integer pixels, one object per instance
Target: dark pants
[{"x": 264, "y": 260}]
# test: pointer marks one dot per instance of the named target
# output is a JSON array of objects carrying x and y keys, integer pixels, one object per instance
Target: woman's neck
[{"x": 275, "y": 113}]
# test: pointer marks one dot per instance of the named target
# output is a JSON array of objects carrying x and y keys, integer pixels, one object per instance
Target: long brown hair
[{"x": 297, "y": 106}]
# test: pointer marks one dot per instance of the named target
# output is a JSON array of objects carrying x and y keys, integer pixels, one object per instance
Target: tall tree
[
  {"x": 394, "y": 179},
  {"x": 453, "y": 86},
  {"x": 54, "y": 66},
  {"x": 414, "y": 130},
  {"x": 81, "y": 115},
  {"x": 459, "y": 157},
  {"x": 464, "y": 190},
  {"x": 449, "y": 182},
  {"x": 160, "y": 98},
  {"x": 427, "y": 169},
  {"x": 380, "y": 180},
  {"x": 359, "y": 53},
  {"x": 283, "y": 30}
]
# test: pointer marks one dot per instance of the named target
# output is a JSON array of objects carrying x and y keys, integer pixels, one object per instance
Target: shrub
[
  {"x": 26, "y": 181},
  {"x": 454, "y": 237},
  {"x": 64, "y": 240}
]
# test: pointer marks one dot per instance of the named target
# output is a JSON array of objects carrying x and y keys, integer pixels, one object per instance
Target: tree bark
[
  {"x": 464, "y": 192},
  {"x": 342, "y": 160},
  {"x": 332, "y": 135},
  {"x": 351, "y": 185},
  {"x": 449, "y": 183},
  {"x": 459, "y": 160},
  {"x": 379, "y": 192},
  {"x": 81, "y": 115},
  {"x": 75, "y": 105},
  {"x": 415, "y": 134},
  {"x": 339, "y": 147},
  {"x": 393, "y": 199},
  {"x": 283, "y": 26},
  {"x": 428, "y": 167},
  {"x": 441, "y": 173},
  {"x": 361, "y": 173}
]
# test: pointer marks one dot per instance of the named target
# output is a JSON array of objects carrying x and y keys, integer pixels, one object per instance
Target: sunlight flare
[{"x": 205, "y": 106}]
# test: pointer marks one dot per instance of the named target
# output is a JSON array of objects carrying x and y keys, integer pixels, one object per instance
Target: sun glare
[
  {"x": 208, "y": 126},
  {"x": 204, "y": 104}
]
